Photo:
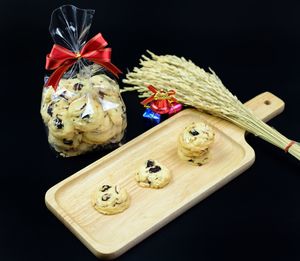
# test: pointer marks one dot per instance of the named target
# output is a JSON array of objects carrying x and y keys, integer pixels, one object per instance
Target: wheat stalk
[{"x": 202, "y": 90}]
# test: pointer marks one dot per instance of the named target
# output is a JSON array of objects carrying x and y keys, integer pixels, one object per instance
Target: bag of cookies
[{"x": 81, "y": 103}]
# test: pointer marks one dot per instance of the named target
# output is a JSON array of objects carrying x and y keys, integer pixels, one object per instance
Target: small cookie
[
  {"x": 194, "y": 142},
  {"x": 86, "y": 113},
  {"x": 153, "y": 174},
  {"x": 110, "y": 200},
  {"x": 102, "y": 134},
  {"x": 196, "y": 136}
]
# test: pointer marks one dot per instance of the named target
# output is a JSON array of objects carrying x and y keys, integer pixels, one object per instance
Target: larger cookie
[
  {"x": 110, "y": 200},
  {"x": 153, "y": 174}
]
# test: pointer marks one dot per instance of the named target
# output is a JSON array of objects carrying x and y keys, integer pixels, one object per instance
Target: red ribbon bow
[
  {"x": 161, "y": 101},
  {"x": 61, "y": 59}
]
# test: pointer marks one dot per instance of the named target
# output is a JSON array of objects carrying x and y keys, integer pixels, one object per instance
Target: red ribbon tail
[
  {"x": 55, "y": 77},
  {"x": 147, "y": 100},
  {"x": 152, "y": 89}
]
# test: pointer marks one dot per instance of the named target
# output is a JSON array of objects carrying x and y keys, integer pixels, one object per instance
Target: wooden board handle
[{"x": 265, "y": 106}]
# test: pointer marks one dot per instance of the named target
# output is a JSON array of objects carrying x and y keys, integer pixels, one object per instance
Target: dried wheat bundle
[{"x": 202, "y": 90}]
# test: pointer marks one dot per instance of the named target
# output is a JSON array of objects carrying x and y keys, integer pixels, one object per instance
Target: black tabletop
[{"x": 253, "y": 46}]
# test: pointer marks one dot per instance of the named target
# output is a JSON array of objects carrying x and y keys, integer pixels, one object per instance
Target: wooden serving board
[{"x": 110, "y": 236}]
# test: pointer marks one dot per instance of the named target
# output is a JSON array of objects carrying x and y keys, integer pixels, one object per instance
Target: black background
[{"x": 252, "y": 45}]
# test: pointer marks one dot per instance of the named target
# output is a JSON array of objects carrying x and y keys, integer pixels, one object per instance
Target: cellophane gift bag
[{"x": 81, "y": 104}]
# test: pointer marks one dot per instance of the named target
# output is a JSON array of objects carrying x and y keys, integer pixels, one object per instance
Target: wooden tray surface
[{"x": 110, "y": 236}]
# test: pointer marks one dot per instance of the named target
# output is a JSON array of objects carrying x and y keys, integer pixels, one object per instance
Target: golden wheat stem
[{"x": 202, "y": 90}]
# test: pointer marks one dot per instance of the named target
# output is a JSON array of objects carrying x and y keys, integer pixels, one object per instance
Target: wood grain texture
[{"x": 110, "y": 236}]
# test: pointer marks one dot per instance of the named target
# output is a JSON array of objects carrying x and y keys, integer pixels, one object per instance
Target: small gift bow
[
  {"x": 161, "y": 100},
  {"x": 61, "y": 59}
]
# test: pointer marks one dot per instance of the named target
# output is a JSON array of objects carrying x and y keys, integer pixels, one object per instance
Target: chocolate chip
[
  {"x": 116, "y": 189},
  {"x": 105, "y": 197},
  {"x": 77, "y": 86},
  {"x": 150, "y": 163},
  {"x": 101, "y": 94},
  {"x": 104, "y": 188},
  {"x": 194, "y": 132},
  {"x": 58, "y": 123},
  {"x": 50, "y": 109},
  {"x": 67, "y": 142},
  {"x": 155, "y": 169}
]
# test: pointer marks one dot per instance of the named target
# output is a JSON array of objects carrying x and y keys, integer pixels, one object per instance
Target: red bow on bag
[
  {"x": 61, "y": 59},
  {"x": 161, "y": 101}
]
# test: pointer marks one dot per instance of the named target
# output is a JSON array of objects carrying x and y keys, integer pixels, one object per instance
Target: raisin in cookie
[
  {"x": 153, "y": 174},
  {"x": 110, "y": 200}
]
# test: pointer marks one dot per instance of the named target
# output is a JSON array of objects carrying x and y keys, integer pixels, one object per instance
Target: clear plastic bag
[{"x": 85, "y": 111}]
